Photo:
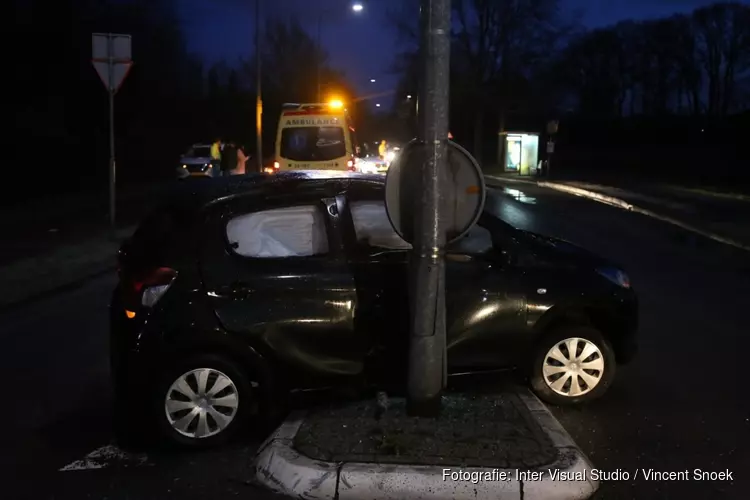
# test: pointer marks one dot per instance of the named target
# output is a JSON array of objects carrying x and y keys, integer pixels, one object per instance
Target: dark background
[{"x": 664, "y": 99}]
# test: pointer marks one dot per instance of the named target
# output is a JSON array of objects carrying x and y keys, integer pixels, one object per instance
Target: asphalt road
[{"x": 682, "y": 405}]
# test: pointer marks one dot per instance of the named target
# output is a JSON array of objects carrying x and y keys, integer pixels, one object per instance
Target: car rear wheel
[
  {"x": 572, "y": 365},
  {"x": 203, "y": 402}
]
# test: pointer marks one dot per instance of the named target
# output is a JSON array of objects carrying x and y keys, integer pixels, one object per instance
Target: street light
[
  {"x": 372, "y": 80},
  {"x": 357, "y": 7}
]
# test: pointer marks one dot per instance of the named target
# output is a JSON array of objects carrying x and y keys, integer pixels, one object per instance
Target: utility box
[{"x": 518, "y": 152}]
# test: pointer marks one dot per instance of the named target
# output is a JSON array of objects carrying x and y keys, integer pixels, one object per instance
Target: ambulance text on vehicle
[{"x": 315, "y": 137}]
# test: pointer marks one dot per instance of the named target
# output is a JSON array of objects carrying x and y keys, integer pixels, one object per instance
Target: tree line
[
  {"x": 170, "y": 99},
  {"x": 516, "y": 62}
]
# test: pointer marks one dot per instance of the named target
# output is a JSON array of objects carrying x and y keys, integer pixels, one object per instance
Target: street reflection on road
[
  {"x": 498, "y": 205},
  {"x": 519, "y": 196}
]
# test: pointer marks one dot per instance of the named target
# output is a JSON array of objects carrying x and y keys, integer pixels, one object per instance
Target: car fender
[{"x": 257, "y": 364}]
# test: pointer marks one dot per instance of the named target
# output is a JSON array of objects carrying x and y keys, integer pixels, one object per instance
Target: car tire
[
  {"x": 544, "y": 378},
  {"x": 170, "y": 403}
]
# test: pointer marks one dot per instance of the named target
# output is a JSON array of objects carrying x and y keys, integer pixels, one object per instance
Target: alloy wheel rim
[
  {"x": 201, "y": 403},
  {"x": 573, "y": 367}
]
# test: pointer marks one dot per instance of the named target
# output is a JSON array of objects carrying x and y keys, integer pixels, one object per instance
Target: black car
[{"x": 241, "y": 289}]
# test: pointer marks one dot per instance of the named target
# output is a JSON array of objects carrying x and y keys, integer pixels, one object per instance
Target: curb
[
  {"x": 711, "y": 194},
  {"x": 495, "y": 178},
  {"x": 282, "y": 469},
  {"x": 620, "y": 203},
  {"x": 68, "y": 285},
  {"x": 51, "y": 281}
]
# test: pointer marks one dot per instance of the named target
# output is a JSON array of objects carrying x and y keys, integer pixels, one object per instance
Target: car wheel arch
[
  {"x": 597, "y": 317},
  {"x": 255, "y": 366}
]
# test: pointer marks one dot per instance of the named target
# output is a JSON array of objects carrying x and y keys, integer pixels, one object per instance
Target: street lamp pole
[
  {"x": 427, "y": 346},
  {"x": 356, "y": 7},
  {"x": 319, "y": 59},
  {"x": 258, "y": 95}
]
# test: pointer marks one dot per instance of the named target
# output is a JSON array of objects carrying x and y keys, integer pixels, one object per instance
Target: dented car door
[{"x": 296, "y": 309}]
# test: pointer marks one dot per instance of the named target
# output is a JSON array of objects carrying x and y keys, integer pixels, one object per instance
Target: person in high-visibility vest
[
  {"x": 216, "y": 150},
  {"x": 382, "y": 149}
]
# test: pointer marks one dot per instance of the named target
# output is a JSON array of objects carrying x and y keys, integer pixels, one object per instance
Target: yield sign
[
  {"x": 112, "y": 75},
  {"x": 111, "y": 57}
]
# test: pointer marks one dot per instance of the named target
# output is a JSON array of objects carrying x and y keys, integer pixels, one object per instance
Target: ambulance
[{"x": 314, "y": 137}]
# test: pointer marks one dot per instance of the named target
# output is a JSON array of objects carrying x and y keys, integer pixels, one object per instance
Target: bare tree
[
  {"x": 502, "y": 43},
  {"x": 723, "y": 36}
]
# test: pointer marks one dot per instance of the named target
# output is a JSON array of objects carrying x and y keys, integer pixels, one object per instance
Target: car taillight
[
  {"x": 350, "y": 165},
  {"x": 276, "y": 165},
  {"x": 146, "y": 289}
]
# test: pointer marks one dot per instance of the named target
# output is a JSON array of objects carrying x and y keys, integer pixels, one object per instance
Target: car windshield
[
  {"x": 199, "y": 152},
  {"x": 313, "y": 143}
]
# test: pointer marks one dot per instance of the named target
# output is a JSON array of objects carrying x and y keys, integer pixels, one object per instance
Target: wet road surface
[{"x": 681, "y": 405}]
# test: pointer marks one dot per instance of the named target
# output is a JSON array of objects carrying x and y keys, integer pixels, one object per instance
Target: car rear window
[{"x": 312, "y": 143}]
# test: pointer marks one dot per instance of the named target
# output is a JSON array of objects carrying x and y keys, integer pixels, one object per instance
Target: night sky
[{"x": 363, "y": 44}]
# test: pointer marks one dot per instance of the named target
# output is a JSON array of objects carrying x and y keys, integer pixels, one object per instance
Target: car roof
[{"x": 196, "y": 193}]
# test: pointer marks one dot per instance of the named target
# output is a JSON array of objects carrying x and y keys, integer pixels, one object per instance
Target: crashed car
[{"x": 237, "y": 291}]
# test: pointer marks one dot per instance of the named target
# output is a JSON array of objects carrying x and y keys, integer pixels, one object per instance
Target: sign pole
[
  {"x": 112, "y": 61},
  {"x": 427, "y": 357},
  {"x": 112, "y": 87}
]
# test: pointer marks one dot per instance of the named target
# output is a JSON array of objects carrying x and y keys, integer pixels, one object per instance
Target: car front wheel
[
  {"x": 572, "y": 365},
  {"x": 202, "y": 402}
]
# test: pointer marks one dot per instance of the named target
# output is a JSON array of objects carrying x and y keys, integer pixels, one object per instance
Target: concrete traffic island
[{"x": 505, "y": 446}]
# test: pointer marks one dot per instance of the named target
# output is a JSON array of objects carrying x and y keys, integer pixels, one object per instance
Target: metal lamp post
[{"x": 258, "y": 95}]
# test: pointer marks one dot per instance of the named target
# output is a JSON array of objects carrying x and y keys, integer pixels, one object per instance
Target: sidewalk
[
  {"x": 720, "y": 216},
  {"x": 481, "y": 447},
  {"x": 61, "y": 267}
]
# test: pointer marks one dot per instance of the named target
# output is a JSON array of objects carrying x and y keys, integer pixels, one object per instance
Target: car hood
[{"x": 563, "y": 251}]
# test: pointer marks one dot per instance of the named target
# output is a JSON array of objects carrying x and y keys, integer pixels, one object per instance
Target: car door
[
  {"x": 485, "y": 305},
  {"x": 378, "y": 258},
  {"x": 277, "y": 275}
]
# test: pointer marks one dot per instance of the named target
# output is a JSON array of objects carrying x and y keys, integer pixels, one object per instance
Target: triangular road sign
[{"x": 119, "y": 71}]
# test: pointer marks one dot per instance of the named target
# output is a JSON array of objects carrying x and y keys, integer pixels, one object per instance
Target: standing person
[
  {"x": 216, "y": 153},
  {"x": 241, "y": 161},
  {"x": 382, "y": 149},
  {"x": 216, "y": 150},
  {"x": 228, "y": 159}
]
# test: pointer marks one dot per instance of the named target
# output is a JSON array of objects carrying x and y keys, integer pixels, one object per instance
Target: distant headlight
[{"x": 616, "y": 276}]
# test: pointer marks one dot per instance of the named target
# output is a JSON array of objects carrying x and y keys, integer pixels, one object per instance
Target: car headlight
[
  {"x": 616, "y": 276},
  {"x": 390, "y": 155}
]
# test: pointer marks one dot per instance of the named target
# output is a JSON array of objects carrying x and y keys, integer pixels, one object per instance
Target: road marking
[{"x": 104, "y": 457}]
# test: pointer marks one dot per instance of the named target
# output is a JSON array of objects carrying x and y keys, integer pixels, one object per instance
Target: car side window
[
  {"x": 373, "y": 228},
  {"x": 476, "y": 242},
  {"x": 284, "y": 232}
]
